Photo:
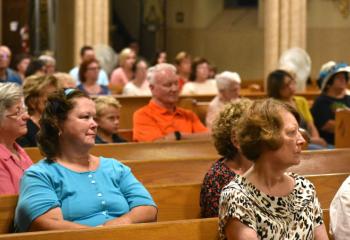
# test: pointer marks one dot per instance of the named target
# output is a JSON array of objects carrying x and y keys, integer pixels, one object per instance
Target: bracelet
[{"x": 177, "y": 135}]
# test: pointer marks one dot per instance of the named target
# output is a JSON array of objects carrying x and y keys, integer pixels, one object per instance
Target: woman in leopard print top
[{"x": 266, "y": 202}]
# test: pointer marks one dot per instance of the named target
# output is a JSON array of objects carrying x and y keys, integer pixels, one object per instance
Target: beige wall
[{"x": 233, "y": 39}]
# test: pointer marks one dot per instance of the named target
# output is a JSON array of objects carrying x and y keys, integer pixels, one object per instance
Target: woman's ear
[{"x": 234, "y": 140}]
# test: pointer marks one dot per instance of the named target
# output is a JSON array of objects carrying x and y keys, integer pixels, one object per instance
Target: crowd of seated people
[{"x": 35, "y": 110}]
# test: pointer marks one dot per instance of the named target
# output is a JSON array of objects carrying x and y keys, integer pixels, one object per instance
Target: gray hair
[
  {"x": 224, "y": 79},
  {"x": 10, "y": 93},
  {"x": 154, "y": 71},
  {"x": 47, "y": 59}
]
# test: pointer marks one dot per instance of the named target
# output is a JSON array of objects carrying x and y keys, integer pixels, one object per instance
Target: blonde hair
[
  {"x": 65, "y": 80},
  {"x": 33, "y": 88},
  {"x": 123, "y": 55},
  {"x": 102, "y": 102}
]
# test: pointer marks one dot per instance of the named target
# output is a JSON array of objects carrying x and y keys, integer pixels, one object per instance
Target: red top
[
  {"x": 11, "y": 170},
  {"x": 152, "y": 122}
]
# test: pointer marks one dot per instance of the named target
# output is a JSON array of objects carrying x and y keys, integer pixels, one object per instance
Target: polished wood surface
[{"x": 342, "y": 129}]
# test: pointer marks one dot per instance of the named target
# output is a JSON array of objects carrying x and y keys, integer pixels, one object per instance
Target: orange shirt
[{"x": 152, "y": 122}]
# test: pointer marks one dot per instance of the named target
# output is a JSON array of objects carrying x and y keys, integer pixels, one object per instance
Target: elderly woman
[
  {"x": 267, "y": 202},
  {"x": 281, "y": 85},
  {"x": 123, "y": 74},
  {"x": 232, "y": 161},
  {"x": 71, "y": 188},
  {"x": 88, "y": 75},
  {"x": 139, "y": 86},
  {"x": 13, "y": 118},
  {"x": 199, "y": 82},
  {"x": 107, "y": 118},
  {"x": 228, "y": 85},
  {"x": 36, "y": 89}
]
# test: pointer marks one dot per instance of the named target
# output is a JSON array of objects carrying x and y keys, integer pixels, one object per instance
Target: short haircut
[
  {"x": 275, "y": 82},
  {"x": 34, "y": 66},
  {"x": 134, "y": 66},
  {"x": 10, "y": 94},
  {"x": 34, "y": 87},
  {"x": 224, "y": 79},
  {"x": 195, "y": 63},
  {"x": 157, "y": 69},
  {"x": 57, "y": 107},
  {"x": 84, "y": 68},
  {"x": 181, "y": 56},
  {"x": 47, "y": 59},
  {"x": 260, "y": 127},
  {"x": 85, "y": 48},
  {"x": 225, "y": 126},
  {"x": 102, "y": 102}
]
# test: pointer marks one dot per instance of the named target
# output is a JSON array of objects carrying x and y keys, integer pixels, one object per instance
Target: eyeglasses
[
  {"x": 19, "y": 113},
  {"x": 94, "y": 68}
]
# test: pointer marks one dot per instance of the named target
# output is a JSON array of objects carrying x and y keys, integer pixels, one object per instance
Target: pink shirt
[
  {"x": 11, "y": 170},
  {"x": 119, "y": 77}
]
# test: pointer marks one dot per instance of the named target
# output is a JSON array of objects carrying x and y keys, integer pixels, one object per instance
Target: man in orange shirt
[{"x": 161, "y": 119}]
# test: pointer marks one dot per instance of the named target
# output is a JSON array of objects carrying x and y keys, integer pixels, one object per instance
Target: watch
[{"x": 177, "y": 135}]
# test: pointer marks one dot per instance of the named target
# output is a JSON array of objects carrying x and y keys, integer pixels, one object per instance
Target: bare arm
[
  {"x": 235, "y": 230},
  {"x": 315, "y": 136},
  {"x": 321, "y": 233},
  {"x": 140, "y": 214},
  {"x": 53, "y": 220},
  {"x": 329, "y": 126}
]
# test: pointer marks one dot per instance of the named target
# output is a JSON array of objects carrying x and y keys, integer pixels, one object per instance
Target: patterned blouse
[
  {"x": 218, "y": 176},
  {"x": 294, "y": 216}
]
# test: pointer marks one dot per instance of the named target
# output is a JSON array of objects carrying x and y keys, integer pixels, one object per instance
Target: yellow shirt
[{"x": 303, "y": 108}]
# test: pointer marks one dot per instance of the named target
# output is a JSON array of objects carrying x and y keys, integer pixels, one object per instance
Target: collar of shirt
[
  {"x": 161, "y": 110},
  {"x": 6, "y": 154}
]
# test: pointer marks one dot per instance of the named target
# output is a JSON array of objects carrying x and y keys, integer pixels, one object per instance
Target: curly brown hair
[
  {"x": 225, "y": 125},
  {"x": 261, "y": 125},
  {"x": 56, "y": 111}
]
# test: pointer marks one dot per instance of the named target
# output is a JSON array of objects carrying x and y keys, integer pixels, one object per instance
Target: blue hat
[{"x": 328, "y": 70}]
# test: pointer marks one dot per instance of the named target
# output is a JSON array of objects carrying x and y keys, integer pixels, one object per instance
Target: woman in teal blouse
[{"x": 71, "y": 188}]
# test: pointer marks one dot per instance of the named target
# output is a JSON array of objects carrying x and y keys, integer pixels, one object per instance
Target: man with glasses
[{"x": 7, "y": 74}]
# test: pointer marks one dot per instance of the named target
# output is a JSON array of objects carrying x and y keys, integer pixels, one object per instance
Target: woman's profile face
[
  {"x": 80, "y": 127},
  {"x": 292, "y": 141},
  {"x": 14, "y": 122},
  {"x": 288, "y": 88}
]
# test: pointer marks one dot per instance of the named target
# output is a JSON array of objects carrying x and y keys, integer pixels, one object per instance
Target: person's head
[
  {"x": 160, "y": 57},
  {"x": 183, "y": 62},
  {"x": 164, "y": 84},
  {"x": 135, "y": 46},
  {"x": 333, "y": 76},
  {"x": 223, "y": 131},
  {"x": 35, "y": 67},
  {"x": 89, "y": 70},
  {"x": 213, "y": 70},
  {"x": 5, "y": 57},
  {"x": 281, "y": 85},
  {"x": 50, "y": 64},
  {"x": 86, "y": 53},
  {"x": 140, "y": 69},
  {"x": 200, "y": 69},
  {"x": 67, "y": 120},
  {"x": 270, "y": 127},
  {"x": 13, "y": 113},
  {"x": 127, "y": 58},
  {"x": 65, "y": 80},
  {"x": 229, "y": 85},
  {"x": 107, "y": 114},
  {"x": 36, "y": 90},
  {"x": 21, "y": 62}
]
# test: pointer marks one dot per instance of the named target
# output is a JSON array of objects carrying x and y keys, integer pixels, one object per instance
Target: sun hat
[{"x": 328, "y": 70}]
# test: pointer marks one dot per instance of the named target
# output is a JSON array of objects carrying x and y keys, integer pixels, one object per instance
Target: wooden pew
[
  {"x": 196, "y": 229},
  {"x": 181, "y": 201},
  {"x": 342, "y": 129},
  {"x": 187, "y": 149}
]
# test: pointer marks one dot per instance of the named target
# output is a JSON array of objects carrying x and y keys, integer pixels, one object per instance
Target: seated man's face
[
  {"x": 166, "y": 87},
  {"x": 5, "y": 58}
]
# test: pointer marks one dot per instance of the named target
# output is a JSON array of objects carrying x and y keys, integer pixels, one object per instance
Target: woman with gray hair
[
  {"x": 229, "y": 85},
  {"x": 13, "y": 117}
]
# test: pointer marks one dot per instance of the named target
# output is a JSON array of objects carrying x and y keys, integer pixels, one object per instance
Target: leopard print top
[{"x": 294, "y": 216}]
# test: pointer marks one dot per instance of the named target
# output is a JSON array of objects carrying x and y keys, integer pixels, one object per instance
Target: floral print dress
[{"x": 294, "y": 216}]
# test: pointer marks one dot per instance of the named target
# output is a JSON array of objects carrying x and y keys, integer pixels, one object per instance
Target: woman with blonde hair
[
  {"x": 36, "y": 90},
  {"x": 123, "y": 74},
  {"x": 107, "y": 118}
]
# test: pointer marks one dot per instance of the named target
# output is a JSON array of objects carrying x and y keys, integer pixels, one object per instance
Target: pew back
[{"x": 342, "y": 129}]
